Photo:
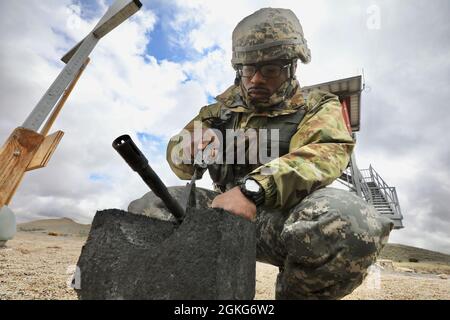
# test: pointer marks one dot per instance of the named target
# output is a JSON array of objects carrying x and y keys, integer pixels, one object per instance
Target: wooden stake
[
  {"x": 63, "y": 100},
  {"x": 25, "y": 149},
  {"x": 45, "y": 151},
  {"x": 15, "y": 156}
]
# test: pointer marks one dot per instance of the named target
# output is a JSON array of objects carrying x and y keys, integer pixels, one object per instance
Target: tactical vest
[{"x": 225, "y": 176}]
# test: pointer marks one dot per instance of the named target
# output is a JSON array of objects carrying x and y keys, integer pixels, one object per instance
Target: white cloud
[{"x": 118, "y": 93}]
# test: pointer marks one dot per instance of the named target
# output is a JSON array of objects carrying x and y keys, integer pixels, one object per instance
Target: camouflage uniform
[{"x": 322, "y": 239}]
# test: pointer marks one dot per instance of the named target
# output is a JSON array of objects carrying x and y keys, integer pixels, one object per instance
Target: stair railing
[{"x": 389, "y": 193}]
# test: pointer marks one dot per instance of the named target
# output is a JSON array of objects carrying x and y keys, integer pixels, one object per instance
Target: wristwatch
[{"x": 252, "y": 190}]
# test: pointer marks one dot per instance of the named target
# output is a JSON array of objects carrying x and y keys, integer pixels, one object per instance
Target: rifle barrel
[{"x": 128, "y": 150}]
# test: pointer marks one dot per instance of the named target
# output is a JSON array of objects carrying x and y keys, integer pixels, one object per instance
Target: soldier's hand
[
  {"x": 200, "y": 142},
  {"x": 235, "y": 202}
]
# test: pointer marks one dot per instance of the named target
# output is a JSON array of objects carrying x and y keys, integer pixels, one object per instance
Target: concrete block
[{"x": 211, "y": 255}]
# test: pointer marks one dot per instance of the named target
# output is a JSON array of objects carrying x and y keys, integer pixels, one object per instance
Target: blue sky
[
  {"x": 152, "y": 142},
  {"x": 89, "y": 8},
  {"x": 160, "y": 45}
]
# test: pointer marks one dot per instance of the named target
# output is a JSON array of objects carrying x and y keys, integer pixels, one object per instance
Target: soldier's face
[{"x": 259, "y": 87}]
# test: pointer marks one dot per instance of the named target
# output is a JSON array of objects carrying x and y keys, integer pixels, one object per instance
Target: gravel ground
[
  {"x": 38, "y": 266},
  {"x": 379, "y": 285}
]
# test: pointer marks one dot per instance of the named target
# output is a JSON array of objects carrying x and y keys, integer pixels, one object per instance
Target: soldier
[{"x": 322, "y": 239}]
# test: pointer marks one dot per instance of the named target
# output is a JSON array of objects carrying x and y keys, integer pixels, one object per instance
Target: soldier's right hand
[{"x": 200, "y": 141}]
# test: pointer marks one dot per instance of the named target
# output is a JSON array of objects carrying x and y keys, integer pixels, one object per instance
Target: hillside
[
  {"x": 394, "y": 252},
  {"x": 62, "y": 227},
  {"x": 402, "y": 253}
]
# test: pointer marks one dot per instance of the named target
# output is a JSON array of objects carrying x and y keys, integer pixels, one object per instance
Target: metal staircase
[{"x": 369, "y": 185}]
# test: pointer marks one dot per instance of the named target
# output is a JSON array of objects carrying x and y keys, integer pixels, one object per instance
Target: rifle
[{"x": 128, "y": 150}]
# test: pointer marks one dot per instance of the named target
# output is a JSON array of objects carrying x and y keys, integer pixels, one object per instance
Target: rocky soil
[{"x": 36, "y": 265}]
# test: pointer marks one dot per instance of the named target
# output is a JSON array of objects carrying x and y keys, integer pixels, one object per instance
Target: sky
[{"x": 152, "y": 74}]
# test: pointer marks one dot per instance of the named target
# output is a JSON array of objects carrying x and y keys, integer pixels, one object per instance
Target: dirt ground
[
  {"x": 379, "y": 285},
  {"x": 39, "y": 266}
]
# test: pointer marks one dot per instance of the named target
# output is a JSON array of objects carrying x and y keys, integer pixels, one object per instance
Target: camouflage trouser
[{"x": 323, "y": 246}]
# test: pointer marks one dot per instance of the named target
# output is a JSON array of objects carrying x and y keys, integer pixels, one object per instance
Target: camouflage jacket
[{"x": 318, "y": 152}]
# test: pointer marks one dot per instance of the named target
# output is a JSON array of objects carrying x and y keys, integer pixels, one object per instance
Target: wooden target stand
[{"x": 26, "y": 150}]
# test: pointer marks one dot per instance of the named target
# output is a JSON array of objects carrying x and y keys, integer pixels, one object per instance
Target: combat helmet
[{"x": 269, "y": 34}]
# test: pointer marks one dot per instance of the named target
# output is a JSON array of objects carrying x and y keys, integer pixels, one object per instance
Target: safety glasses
[{"x": 269, "y": 71}]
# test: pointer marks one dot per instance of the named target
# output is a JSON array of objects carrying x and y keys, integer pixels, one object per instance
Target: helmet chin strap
[
  {"x": 292, "y": 79},
  {"x": 237, "y": 80},
  {"x": 292, "y": 69},
  {"x": 290, "y": 88}
]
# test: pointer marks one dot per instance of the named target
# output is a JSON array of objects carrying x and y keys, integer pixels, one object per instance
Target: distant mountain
[
  {"x": 402, "y": 253},
  {"x": 395, "y": 252},
  {"x": 63, "y": 226}
]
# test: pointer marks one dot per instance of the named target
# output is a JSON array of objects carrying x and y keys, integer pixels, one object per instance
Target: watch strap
[{"x": 256, "y": 197}]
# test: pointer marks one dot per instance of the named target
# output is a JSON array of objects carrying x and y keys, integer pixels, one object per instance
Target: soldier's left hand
[{"x": 235, "y": 202}]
